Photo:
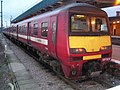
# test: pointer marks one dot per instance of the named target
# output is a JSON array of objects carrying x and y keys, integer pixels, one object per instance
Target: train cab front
[{"x": 89, "y": 44}]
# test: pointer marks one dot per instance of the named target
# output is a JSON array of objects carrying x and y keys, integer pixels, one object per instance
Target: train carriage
[{"x": 76, "y": 36}]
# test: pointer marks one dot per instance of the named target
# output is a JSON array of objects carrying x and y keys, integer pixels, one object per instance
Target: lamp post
[
  {"x": 10, "y": 20},
  {"x": 1, "y": 17},
  {"x": 6, "y": 23}
]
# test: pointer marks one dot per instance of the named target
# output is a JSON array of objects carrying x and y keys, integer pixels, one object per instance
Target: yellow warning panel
[{"x": 91, "y": 57}]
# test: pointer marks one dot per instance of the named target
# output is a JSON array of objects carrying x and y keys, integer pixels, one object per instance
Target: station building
[{"x": 115, "y": 24}]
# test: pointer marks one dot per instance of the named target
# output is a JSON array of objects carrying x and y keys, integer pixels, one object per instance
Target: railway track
[
  {"x": 87, "y": 84},
  {"x": 114, "y": 69}
]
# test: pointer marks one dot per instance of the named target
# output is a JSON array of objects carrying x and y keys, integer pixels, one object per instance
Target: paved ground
[
  {"x": 5, "y": 74},
  {"x": 24, "y": 80}
]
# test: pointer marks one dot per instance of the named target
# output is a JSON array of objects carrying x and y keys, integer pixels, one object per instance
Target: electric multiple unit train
[{"x": 76, "y": 36}]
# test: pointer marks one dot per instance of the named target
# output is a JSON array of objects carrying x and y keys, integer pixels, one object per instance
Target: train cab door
[
  {"x": 29, "y": 33},
  {"x": 53, "y": 27}
]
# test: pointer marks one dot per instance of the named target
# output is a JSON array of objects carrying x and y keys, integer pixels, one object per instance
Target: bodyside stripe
[{"x": 34, "y": 39}]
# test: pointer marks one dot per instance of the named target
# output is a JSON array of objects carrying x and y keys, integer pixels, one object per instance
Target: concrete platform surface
[{"x": 22, "y": 75}]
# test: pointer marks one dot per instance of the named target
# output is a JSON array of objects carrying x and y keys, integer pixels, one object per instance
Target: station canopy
[{"x": 49, "y": 5}]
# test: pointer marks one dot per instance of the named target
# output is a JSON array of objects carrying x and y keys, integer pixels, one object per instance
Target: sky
[
  {"x": 13, "y": 8},
  {"x": 111, "y": 11}
]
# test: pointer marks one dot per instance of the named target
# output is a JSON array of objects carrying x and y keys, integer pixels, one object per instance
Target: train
[{"x": 73, "y": 39}]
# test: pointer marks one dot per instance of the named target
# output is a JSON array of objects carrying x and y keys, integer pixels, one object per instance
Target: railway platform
[
  {"x": 116, "y": 40},
  {"x": 116, "y": 53},
  {"x": 24, "y": 80},
  {"x": 115, "y": 88},
  {"x": 116, "y": 37},
  {"x": 116, "y": 49}
]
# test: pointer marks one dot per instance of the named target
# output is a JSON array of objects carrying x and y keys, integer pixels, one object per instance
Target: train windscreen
[
  {"x": 99, "y": 24},
  {"x": 84, "y": 23},
  {"x": 80, "y": 23}
]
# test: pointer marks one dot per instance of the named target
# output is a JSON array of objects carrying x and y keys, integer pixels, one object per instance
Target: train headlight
[
  {"x": 105, "y": 48},
  {"x": 77, "y": 50}
]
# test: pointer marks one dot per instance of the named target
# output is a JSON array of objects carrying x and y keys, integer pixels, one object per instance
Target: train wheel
[
  {"x": 40, "y": 57},
  {"x": 56, "y": 66},
  {"x": 27, "y": 47}
]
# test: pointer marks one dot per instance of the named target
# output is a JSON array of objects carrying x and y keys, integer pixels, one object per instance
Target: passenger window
[
  {"x": 35, "y": 32},
  {"x": 20, "y": 29},
  {"x": 14, "y": 29},
  {"x": 24, "y": 29},
  {"x": 44, "y": 29}
]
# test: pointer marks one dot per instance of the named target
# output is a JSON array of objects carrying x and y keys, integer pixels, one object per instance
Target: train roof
[
  {"x": 45, "y": 6},
  {"x": 67, "y": 7}
]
